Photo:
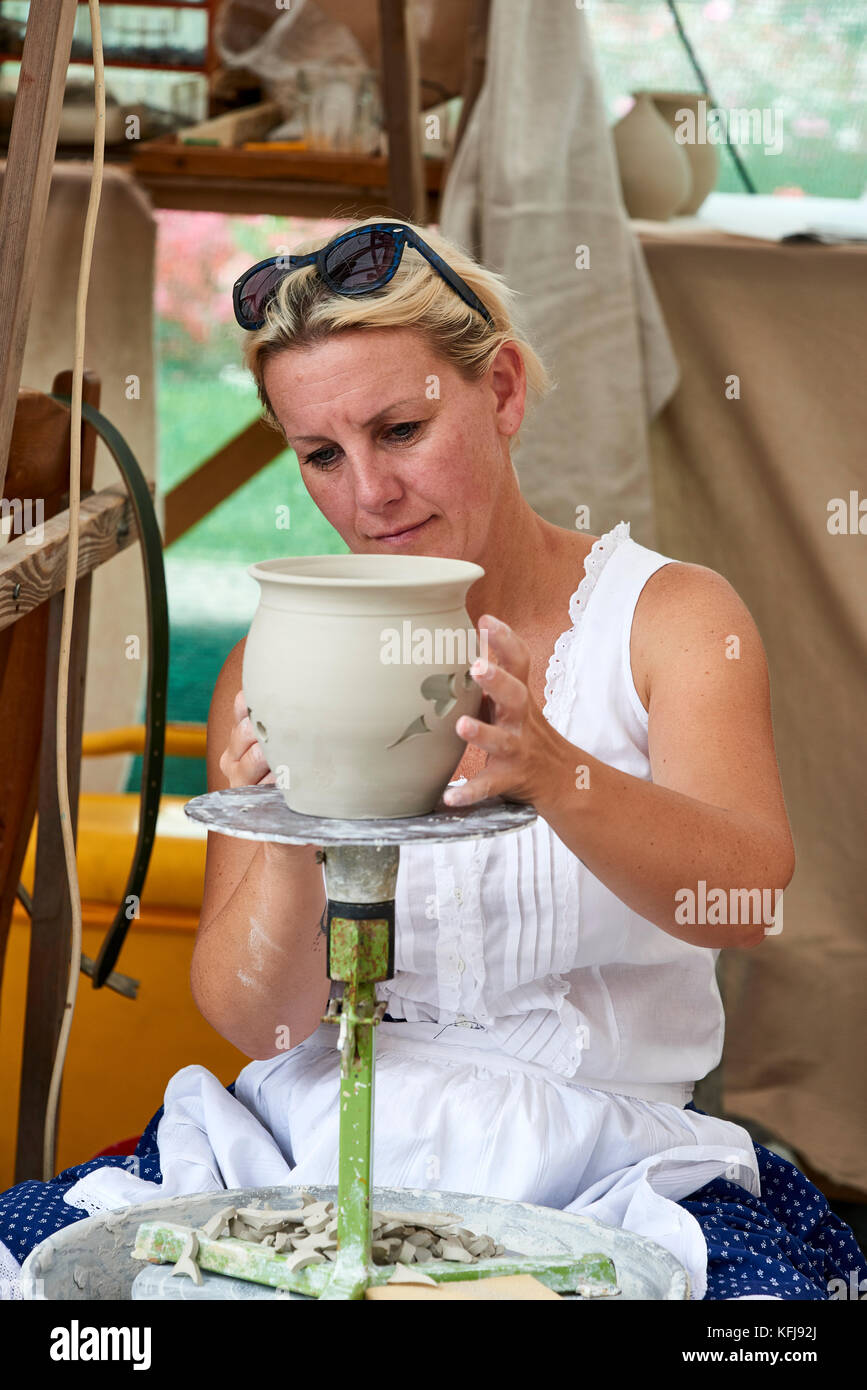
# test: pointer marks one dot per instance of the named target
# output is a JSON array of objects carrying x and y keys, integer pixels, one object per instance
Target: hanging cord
[
  {"x": 705, "y": 86},
  {"x": 48, "y": 1141}
]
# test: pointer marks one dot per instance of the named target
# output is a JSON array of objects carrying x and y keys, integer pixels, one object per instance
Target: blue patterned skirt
[{"x": 787, "y": 1243}]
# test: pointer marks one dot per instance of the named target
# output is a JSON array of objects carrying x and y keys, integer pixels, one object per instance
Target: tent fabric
[
  {"x": 534, "y": 180},
  {"x": 758, "y": 468}
]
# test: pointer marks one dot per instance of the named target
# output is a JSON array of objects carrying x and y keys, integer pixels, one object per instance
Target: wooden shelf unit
[
  {"x": 283, "y": 182},
  {"x": 208, "y": 8}
]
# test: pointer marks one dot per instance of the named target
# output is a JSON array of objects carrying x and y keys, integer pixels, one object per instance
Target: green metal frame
[
  {"x": 161, "y": 1242},
  {"x": 359, "y": 953}
]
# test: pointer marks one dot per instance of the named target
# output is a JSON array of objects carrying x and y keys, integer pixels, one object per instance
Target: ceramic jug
[
  {"x": 703, "y": 157},
  {"x": 655, "y": 174},
  {"x": 355, "y": 673}
]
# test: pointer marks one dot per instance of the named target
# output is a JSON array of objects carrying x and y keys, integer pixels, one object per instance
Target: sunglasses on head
[{"x": 357, "y": 262}]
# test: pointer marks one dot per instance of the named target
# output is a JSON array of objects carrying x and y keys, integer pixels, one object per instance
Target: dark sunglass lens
[
  {"x": 361, "y": 260},
  {"x": 255, "y": 291}
]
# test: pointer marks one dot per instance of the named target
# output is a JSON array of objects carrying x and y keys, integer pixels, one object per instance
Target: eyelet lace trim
[
  {"x": 93, "y": 1205},
  {"x": 10, "y": 1274},
  {"x": 594, "y": 563}
]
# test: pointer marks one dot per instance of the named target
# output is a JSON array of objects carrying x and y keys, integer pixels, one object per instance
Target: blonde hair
[{"x": 304, "y": 312}]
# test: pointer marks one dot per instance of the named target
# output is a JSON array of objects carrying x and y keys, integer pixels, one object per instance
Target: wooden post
[
  {"x": 26, "y": 185},
  {"x": 401, "y": 95},
  {"x": 51, "y": 923},
  {"x": 475, "y": 65}
]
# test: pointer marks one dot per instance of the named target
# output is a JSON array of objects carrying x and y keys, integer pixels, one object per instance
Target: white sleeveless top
[
  {"x": 513, "y": 938},
  {"x": 554, "y": 1036}
]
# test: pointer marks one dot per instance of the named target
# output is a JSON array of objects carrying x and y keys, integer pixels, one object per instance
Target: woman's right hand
[{"x": 242, "y": 762}]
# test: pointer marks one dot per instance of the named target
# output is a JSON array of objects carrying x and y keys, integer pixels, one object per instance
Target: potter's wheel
[
  {"x": 361, "y": 861},
  {"x": 260, "y": 813},
  {"x": 92, "y": 1259}
]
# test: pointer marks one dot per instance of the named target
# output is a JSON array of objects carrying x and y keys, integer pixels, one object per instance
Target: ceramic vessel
[
  {"x": 356, "y": 671},
  {"x": 702, "y": 156},
  {"x": 654, "y": 169}
]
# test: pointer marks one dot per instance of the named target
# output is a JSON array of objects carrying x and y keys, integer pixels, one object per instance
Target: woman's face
[{"x": 391, "y": 439}]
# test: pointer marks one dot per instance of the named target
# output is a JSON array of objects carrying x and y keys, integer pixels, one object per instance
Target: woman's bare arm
[
  {"x": 714, "y": 811},
  {"x": 713, "y": 818},
  {"x": 258, "y": 970}
]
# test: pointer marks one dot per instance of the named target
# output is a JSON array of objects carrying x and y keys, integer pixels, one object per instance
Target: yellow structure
[{"x": 122, "y": 1052}]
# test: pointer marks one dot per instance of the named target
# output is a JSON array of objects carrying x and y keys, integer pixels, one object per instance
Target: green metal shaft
[
  {"x": 359, "y": 952},
  {"x": 356, "y": 1122},
  {"x": 353, "y": 1267}
]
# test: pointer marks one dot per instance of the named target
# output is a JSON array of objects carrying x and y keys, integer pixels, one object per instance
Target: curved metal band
[{"x": 157, "y": 679}]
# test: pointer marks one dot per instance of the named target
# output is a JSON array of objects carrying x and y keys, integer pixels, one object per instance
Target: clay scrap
[
  {"x": 218, "y": 1224},
  {"x": 307, "y": 1234},
  {"x": 186, "y": 1261},
  {"x": 402, "y": 1275}
]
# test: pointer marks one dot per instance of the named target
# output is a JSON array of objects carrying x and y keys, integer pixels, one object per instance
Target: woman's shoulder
[
  {"x": 688, "y": 613},
  {"x": 687, "y": 594}
]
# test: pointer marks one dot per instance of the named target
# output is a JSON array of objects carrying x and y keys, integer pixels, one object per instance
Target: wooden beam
[
  {"x": 51, "y": 923},
  {"x": 26, "y": 186},
  {"x": 38, "y": 469},
  {"x": 30, "y": 574},
  {"x": 474, "y": 71},
  {"x": 286, "y": 183},
  {"x": 51, "y": 920},
  {"x": 350, "y": 172},
  {"x": 242, "y": 198},
  {"x": 219, "y": 476},
  {"x": 401, "y": 95}
]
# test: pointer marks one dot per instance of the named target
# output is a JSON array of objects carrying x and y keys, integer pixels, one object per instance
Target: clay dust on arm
[{"x": 258, "y": 971}]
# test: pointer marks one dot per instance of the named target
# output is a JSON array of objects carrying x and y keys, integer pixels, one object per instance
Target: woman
[{"x": 554, "y": 997}]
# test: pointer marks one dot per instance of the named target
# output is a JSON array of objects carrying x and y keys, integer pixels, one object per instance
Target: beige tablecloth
[{"x": 743, "y": 486}]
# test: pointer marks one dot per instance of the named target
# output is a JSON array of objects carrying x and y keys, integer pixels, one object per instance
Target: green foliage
[
  {"x": 800, "y": 57},
  {"x": 197, "y": 416}
]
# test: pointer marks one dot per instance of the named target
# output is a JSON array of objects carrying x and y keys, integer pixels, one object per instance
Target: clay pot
[
  {"x": 703, "y": 157},
  {"x": 356, "y": 670},
  {"x": 654, "y": 170}
]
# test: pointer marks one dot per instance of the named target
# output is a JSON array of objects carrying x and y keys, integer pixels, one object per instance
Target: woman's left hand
[{"x": 525, "y": 755}]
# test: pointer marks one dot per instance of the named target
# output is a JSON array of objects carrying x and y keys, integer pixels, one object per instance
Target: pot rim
[{"x": 299, "y": 570}]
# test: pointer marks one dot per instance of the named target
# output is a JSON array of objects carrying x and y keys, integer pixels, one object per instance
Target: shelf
[
  {"x": 139, "y": 67},
  {"x": 115, "y": 63},
  {"x": 205, "y": 7},
  {"x": 114, "y": 153},
  {"x": 286, "y": 182},
  {"x": 200, "y": 5},
  {"x": 167, "y": 156}
]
